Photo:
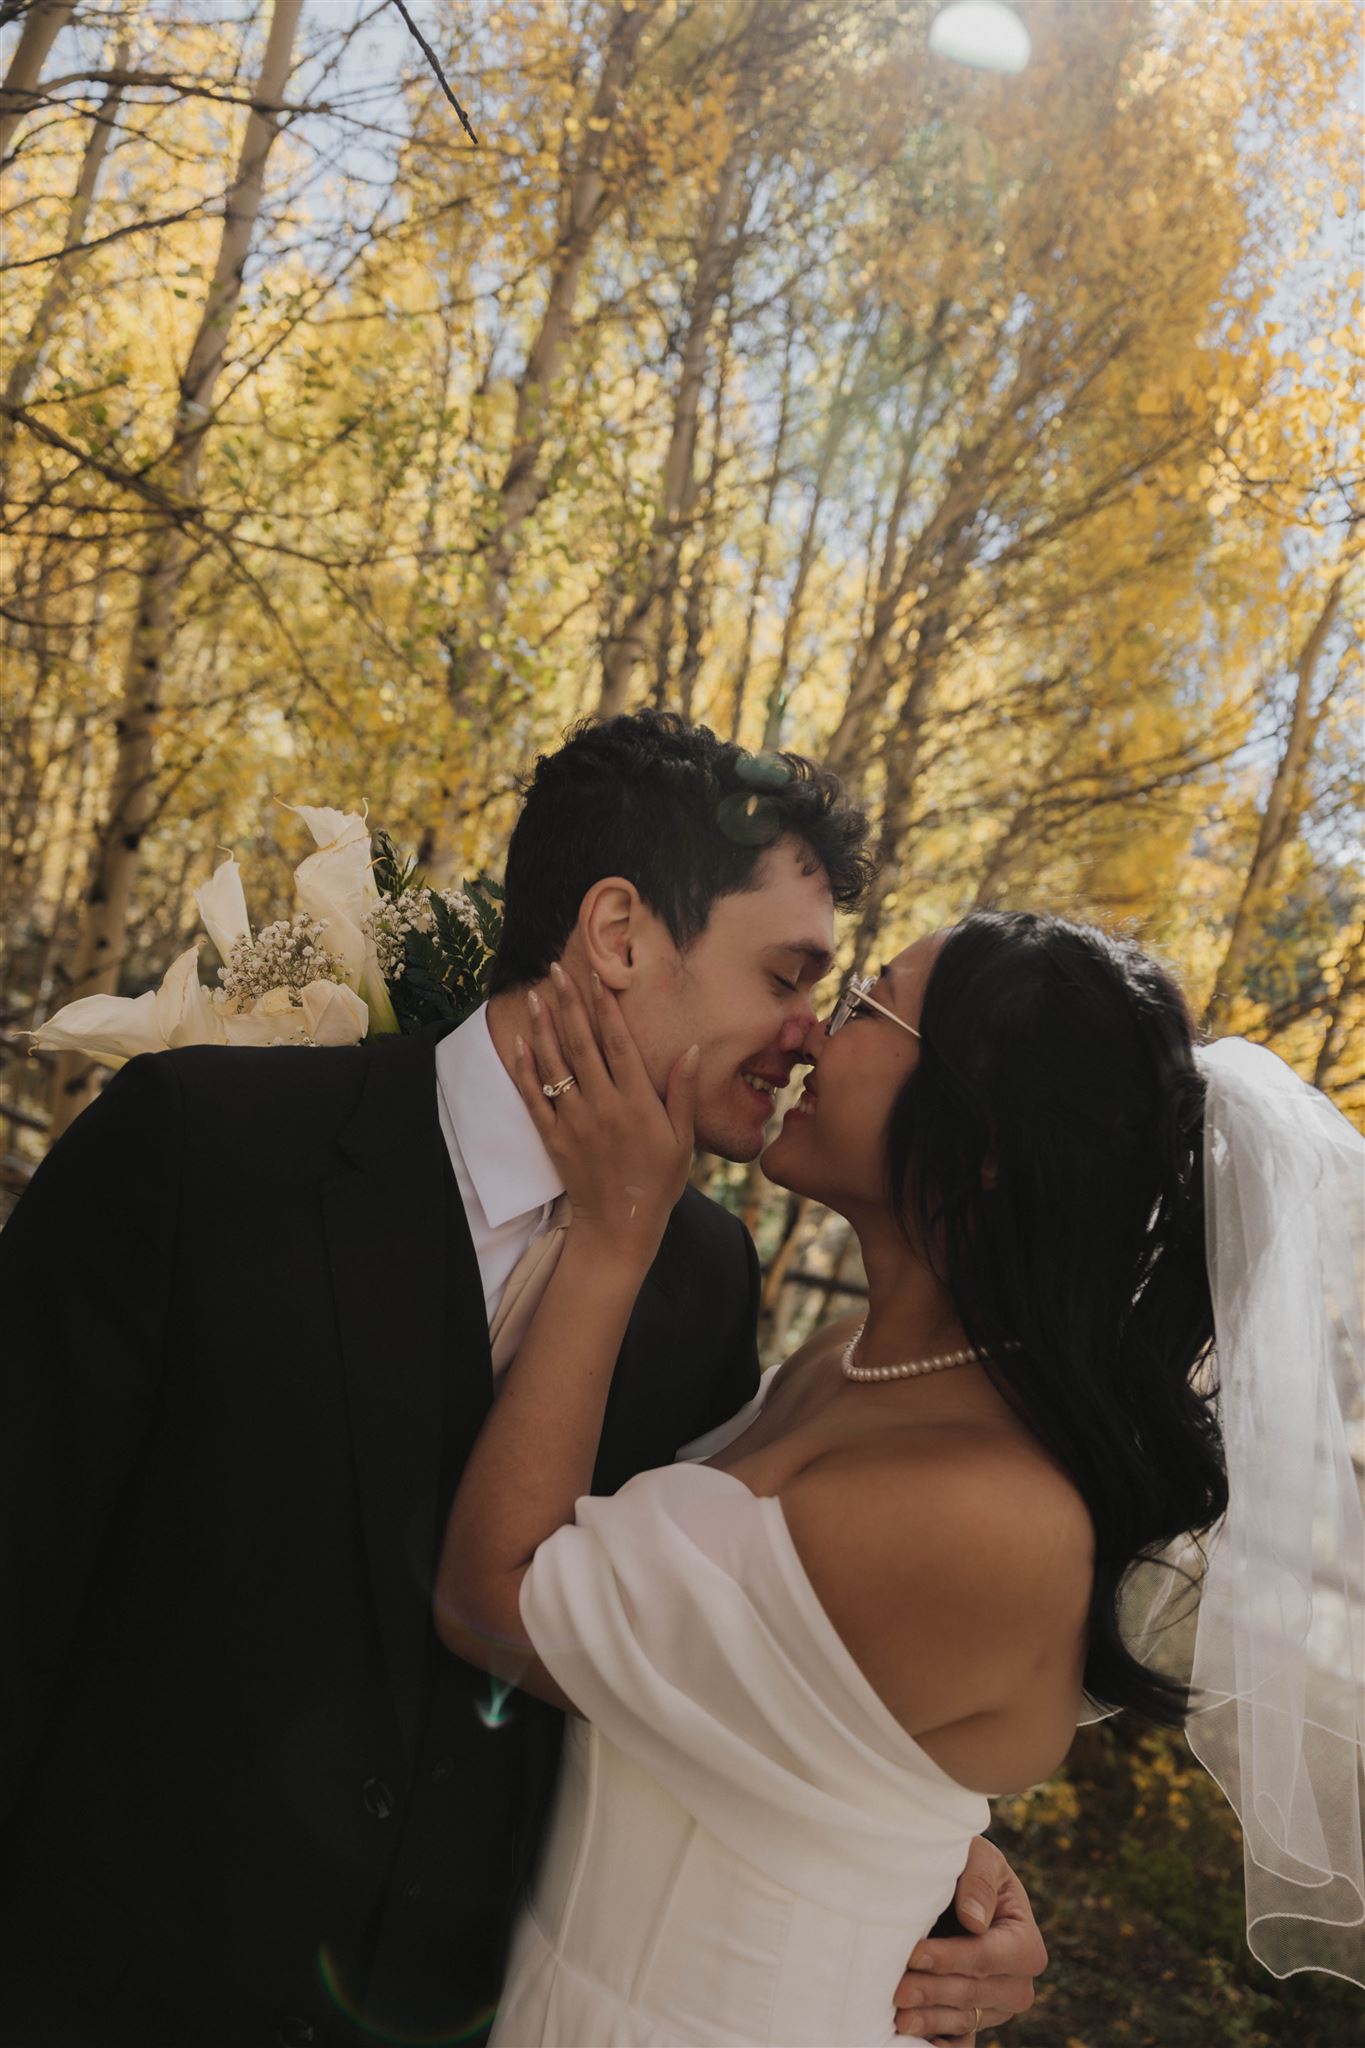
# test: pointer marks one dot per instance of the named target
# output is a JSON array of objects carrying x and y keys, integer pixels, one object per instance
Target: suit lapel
[
  {"x": 651, "y": 1395},
  {"x": 386, "y": 1217}
]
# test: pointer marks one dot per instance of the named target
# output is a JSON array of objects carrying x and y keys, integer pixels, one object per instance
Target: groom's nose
[{"x": 796, "y": 1029}]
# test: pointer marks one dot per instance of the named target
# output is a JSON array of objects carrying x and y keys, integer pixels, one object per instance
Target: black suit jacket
[{"x": 244, "y": 1796}]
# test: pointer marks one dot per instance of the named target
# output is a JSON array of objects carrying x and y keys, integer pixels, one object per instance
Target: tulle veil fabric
[{"x": 1277, "y": 1664}]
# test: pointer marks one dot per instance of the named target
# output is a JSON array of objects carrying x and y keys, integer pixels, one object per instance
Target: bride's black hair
[{"x": 1047, "y": 1155}]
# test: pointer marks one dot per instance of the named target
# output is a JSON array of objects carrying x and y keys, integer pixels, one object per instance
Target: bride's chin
[{"x": 782, "y": 1170}]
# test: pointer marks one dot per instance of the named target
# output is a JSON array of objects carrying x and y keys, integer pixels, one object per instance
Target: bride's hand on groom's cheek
[{"x": 624, "y": 1155}]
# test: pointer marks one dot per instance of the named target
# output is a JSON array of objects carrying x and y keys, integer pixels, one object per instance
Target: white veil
[{"x": 1277, "y": 1669}]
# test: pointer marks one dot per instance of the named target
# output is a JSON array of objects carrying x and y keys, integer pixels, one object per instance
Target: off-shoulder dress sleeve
[{"x": 677, "y": 1616}]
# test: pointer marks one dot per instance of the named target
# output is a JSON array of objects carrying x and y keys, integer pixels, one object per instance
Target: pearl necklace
[{"x": 912, "y": 1369}]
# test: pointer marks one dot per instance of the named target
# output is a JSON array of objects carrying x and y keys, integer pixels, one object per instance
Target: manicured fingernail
[
  {"x": 533, "y": 1002},
  {"x": 690, "y": 1058},
  {"x": 921, "y": 1959},
  {"x": 556, "y": 974},
  {"x": 596, "y": 980},
  {"x": 520, "y": 1044},
  {"x": 972, "y": 1909}
]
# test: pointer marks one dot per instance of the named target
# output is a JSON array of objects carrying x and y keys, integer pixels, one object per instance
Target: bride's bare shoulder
[
  {"x": 973, "y": 1540},
  {"x": 950, "y": 1490}
]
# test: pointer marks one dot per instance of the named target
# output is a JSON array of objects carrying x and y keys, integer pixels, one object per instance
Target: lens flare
[
  {"x": 986, "y": 34},
  {"x": 748, "y": 820},
  {"x": 763, "y": 771},
  {"x": 492, "y": 1715},
  {"x": 448, "y": 2036}
]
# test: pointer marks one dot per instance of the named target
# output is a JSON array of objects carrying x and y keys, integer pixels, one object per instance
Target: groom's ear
[{"x": 609, "y": 921}]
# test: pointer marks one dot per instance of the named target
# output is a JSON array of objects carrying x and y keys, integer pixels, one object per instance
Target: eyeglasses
[{"x": 854, "y": 996}]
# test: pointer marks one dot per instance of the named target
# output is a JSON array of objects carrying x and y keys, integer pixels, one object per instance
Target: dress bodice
[{"x": 746, "y": 1843}]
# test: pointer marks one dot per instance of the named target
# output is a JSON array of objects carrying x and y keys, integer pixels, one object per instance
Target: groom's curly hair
[{"x": 684, "y": 816}]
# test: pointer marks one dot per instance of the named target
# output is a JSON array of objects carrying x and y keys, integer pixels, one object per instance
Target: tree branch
[{"x": 425, "y": 47}]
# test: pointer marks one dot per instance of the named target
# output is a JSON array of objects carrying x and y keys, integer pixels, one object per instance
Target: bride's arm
[
  {"x": 625, "y": 1158},
  {"x": 534, "y": 1457}
]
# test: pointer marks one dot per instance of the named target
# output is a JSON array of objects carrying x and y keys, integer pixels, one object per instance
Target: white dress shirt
[{"x": 507, "y": 1180}]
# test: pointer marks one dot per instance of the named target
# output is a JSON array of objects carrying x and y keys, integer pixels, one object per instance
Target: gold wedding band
[
  {"x": 553, "y": 1088},
  {"x": 976, "y": 2019}
]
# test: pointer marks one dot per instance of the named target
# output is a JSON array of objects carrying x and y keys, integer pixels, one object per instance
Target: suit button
[
  {"x": 413, "y": 1892},
  {"x": 442, "y": 1769},
  {"x": 378, "y": 1802},
  {"x": 294, "y": 2031}
]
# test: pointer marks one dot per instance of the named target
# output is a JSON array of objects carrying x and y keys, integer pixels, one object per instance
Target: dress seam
[
  {"x": 646, "y": 1962},
  {"x": 585, "y": 1837}
]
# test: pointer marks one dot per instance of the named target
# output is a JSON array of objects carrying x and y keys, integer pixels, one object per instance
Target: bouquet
[{"x": 369, "y": 949}]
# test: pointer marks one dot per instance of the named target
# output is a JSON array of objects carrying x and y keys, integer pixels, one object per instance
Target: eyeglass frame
[{"x": 855, "y": 993}]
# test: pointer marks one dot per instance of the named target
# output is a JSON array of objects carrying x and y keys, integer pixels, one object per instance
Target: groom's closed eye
[{"x": 811, "y": 961}]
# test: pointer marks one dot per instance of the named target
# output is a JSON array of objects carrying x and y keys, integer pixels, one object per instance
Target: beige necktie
[{"x": 526, "y": 1284}]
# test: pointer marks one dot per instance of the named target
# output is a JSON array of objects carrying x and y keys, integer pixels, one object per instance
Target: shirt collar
[{"x": 510, "y": 1168}]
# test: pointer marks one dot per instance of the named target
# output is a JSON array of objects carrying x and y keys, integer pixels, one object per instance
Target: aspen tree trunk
[
  {"x": 61, "y": 282},
  {"x": 846, "y": 1255},
  {"x": 114, "y": 867},
  {"x": 1279, "y": 820},
  {"x": 696, "y": 610},
  {"x": 27, "y": 805},
  {"x": 43, "y": 24},
  {"x": 21, "y": 767},
  {"x": 904, "y": 749},
  {"x": 626, "y": 648},
  {"x": 847, "y": 749},
  {"x": 68, "y": 881},
  {"x": 942, "y": 535},
  {"x": 760, "y": 575},
  {"x": 779, "y": 686},
  {"x": 1334, "y": 1037},
  {"x": 775, "y": 1279},
  {"x": 587, "y": 202}
]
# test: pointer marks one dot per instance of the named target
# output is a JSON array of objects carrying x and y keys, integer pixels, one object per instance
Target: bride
[{"x": 804, "y": 1654}]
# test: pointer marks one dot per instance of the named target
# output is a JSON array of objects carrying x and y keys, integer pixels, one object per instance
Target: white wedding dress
[{"x": 746, "y": 1844}]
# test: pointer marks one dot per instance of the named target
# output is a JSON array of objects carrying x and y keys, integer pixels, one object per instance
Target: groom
[{"x": 245, "y": 1798}]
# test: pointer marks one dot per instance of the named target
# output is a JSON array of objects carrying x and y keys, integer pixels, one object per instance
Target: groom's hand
[{"x": 953, "y": 1986}]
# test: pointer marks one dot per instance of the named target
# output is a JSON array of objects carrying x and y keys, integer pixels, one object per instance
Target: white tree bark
[
  {"x": 1334, "y": 1036},
  {"x": 43, "y": 23},
  {"x": 114, "y": 867},
  {"x": 61, "y": 282},
  {"x": 626, "y": 648},
  {"x": 1280, "y": 818},
  {"x": 587, "y": 203},
  {"x": 921, "y": 558}
]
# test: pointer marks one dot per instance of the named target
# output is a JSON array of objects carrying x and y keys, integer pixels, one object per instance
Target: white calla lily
[
  {"x": 374, "y": 993},
  {"x": 222, "y": 905},
  {"x": 113, "y": 1029},
  {"x": 336, "y": 885},
  {"x": 110, "y": 1029},
  {"x": 327, "y": 1013},
  {"x": 334, "y": 1014},
  {"x": 272, "y": 1019},
  {"x": 185, "y": 1010}
]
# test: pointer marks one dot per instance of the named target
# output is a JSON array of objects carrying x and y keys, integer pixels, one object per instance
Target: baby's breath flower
[
  {"x": 388, "y": 923},
  {"x": 288, "y": 954},
  {"x": 459, "y": 905}
]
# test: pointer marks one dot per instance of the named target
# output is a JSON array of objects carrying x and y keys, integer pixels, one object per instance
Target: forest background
[{"x": 995, "y": 439}]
